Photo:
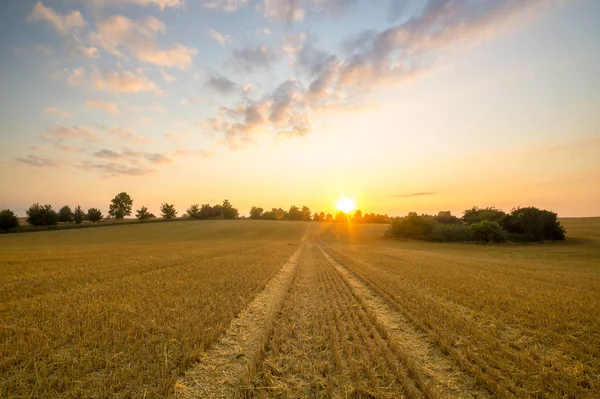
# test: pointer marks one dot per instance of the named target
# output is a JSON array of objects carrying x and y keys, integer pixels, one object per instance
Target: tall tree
[
  {"x": 168, "y": 211},
  {"x": 305, "y": 213},
  {"x": 41, "y": 215},
  {"x": 65, "y": 215},
  {"x": 194, "y": 211},
  {"x": 120, "y": 206},
  {"x": 229, "y": 212},
  {"x": 94, "y": 215},
  {"x": 358, "y": 217},
  {"x": 256, "y": 213},
  {"x": 78, "y": 215},
  {"x": 8, "y": 220},
  {"x": 294, "y": 213}
]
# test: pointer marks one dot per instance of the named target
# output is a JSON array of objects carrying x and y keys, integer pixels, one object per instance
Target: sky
[{"x": 404, "y": 105}]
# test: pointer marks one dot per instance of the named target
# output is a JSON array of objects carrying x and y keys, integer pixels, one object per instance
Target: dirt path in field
[
  {"x": 223, "y": 367},
  {"x": 445, "y": 378}
]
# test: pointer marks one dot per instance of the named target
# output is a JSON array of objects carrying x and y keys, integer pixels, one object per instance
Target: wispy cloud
[
  {"x": 249, "y": 59},
  {"x": 225, "y": 5},
  {"x": 139, "y": 37},
  {"x": 125, "y": 82},
  {"x": 40, "y": 161},
  {"x": 62, "y": 23},
  {"x": 162, "y": 4},
  {"x": 222, "y": 39},
  {"x": 58, "y": 111},
  {"x": 109, "y": 107},
  {"x": 220, "y": 83},
  {"x": 113, "y": 169}
]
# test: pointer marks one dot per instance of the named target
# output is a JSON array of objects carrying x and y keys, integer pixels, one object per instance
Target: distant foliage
[
  {"x": 256, "y": 213},
  {"x": 532, "y": 224},
  {"x": 193, "y": 211},
  {"x": 120, "y": 206},
  {"x": 8, "y": 220},
  {"x": 41, "y": 215},
  {"x": 491, "y": 225},
  {"x": 476, "y": 215},
  {"x": 229, "y": 212},
  {"x": 412, "y": 226},
  {"x": 78, "y": 215},
  {"x": 486, "y": 231},
  {"x": 94, "y": 215},
  {"x": 65, "y": 215},
  {"x": 143, "y": 214},
  {"x": 167, "y": 211}
]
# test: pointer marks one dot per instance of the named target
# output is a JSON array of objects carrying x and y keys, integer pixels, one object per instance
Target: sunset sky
[{"x": 404, "y": 105}]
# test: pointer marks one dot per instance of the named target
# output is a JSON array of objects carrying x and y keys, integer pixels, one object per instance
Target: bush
[
  {"x": 486, "y": 231},
  {"x": 143, "y": 214},
  {"x": 476, "y": 215},
  {"x": 412, "y": 226},
  {"x": 94, "y": 215},
  {"x": 533, "y": 224},
  {"x": 449, "y": 233},
  {"x": 41, "y": 215},
  {"x": 8, "y": 220},
  {"x": 78, "y": 215}
]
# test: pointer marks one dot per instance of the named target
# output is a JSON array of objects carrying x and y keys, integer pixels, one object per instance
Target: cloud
[
  {"x": 162, "y": 4},
  {"x": 125, "y": 82},
  {"x": 225, "y": 5},
  {"x": 113, "y": 169},
  {"x": 40, "y": 161},
  {"x": 57, "y": 111},
  {"x": 125, "y": 135},
  {"x": 111, "y": 108},
  {"x": 158, "y": 159},
  {"x": 167, "y": 78},
  {"x": 204, "y": 154},
  {"x": 413, "y": 195},
  {"x": 60, "y": 133},
  {"x": 250, "y": 58},
  {"x": 223, "y": 40},
  {"x": 108, "y": 154},
  {"x": 241, "y": 124},
  {"x": 283, "y": 10},
  {"x": 139, "y": 37},
  {"x": 62, "y": 23},
  {"x": 73, "y": 76},
  {"x": 220, "y": 83}
]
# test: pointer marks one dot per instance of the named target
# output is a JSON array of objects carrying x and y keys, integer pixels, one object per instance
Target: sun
[{"x": 346, "y": 204}]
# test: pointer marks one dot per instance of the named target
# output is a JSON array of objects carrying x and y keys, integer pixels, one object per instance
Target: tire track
[
  {"x": 445, "y": 378},
  {"x": 222, "y": 368}
]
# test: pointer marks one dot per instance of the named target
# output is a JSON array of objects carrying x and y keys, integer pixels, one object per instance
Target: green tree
[
  {"x": 533, "y": 224},
  {"x": 65, "y": 215},
  {"x": 167, "y": 211},
  {"x": 306, "y": 213},
  {"x": 206, "y": 211},
  {"x": 78, "y": 215},
  {"x": 446, "y": 217},
  {"x": 94, "y": 215},
  {"x": 229, "y": 212},
  {"x": 256, "y": 213},
  {"x": 358, "y": 217},
  {"x": 41, "y": 215},
  {"x": 329, "y": 217},
  {"x": 8, "y": 220},
  {"x": 315, "y": 217},
  {"x": 295, "y": 213},
  {"x": 143, "y": 214},
  {"x": 475, "y": 215},
  {"x": 194, "y": 211},
  {"x": 486, "y": 231},
  {"x": 412, "y": 226},
  {"x": 120, "y": 206}
]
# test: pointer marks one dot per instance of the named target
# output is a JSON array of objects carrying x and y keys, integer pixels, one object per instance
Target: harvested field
[{"x": 250, "y": 309}]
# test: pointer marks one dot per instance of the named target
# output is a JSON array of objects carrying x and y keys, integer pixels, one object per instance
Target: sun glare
[{"x": 346, "y": 205}]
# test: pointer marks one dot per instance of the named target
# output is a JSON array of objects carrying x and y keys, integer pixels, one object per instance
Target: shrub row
[{"x": 490, "y": 225}]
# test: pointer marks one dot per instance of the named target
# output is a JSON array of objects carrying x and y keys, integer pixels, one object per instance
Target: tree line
[
  {"x": 304, "y": 213},
  {"x": 491, "y": 225}
]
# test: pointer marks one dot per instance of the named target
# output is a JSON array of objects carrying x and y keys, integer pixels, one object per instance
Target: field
[{"x": 296, "y": 309}]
